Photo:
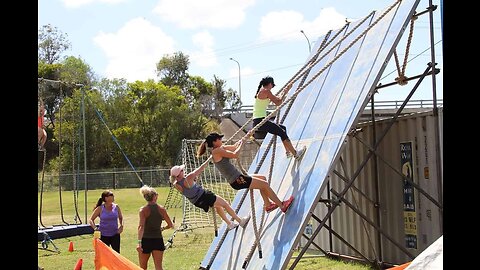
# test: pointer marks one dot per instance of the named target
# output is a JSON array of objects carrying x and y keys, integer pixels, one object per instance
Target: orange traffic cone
[
  {"x": 70, "y": 246},
  {"x": 78, "y": 266}
]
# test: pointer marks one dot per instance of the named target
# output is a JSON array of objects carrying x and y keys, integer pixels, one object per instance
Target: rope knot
[{"x": 401, "y": 80}]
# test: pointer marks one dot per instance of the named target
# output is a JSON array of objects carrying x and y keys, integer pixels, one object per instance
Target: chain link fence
[{"x": 114, "y": 178}]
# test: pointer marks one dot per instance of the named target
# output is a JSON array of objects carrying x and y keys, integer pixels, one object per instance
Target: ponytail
[
  {"x": 258, "y": 89},
  {"x": 100, "y": 201},
  {"x": 202, "y": 149}
]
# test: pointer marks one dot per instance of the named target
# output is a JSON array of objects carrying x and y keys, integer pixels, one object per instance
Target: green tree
[
  {"x": 232, "y": 100},
  {"x": 51, "y": 44},
  {"x": 76, "y": 71},
  {"x": 173, "y": 70}
]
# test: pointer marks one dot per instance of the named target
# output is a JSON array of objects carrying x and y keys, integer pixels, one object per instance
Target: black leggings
[
  {"x": 272, "y": 128},
  {"x": 113, "y": 241}
]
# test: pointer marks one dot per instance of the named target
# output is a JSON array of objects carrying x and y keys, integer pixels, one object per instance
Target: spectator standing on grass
[
  {"x": 150, "y": 239},
  {"x": 110, "y": 216}
]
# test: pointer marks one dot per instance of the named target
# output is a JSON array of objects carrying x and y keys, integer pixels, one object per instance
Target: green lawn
[{"x": 187, "y": 252}]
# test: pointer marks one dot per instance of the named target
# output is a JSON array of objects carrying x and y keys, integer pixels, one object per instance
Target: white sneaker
[
  {"x": 300, "y": 153},
  {"x": 289, "y": 154},
  {"x": 232, "y": 226},
  {"x": 244, "y": 221}
]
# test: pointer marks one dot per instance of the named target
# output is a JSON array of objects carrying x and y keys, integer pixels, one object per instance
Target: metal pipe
[
  {"x": 309, "y": 46},
  {"x": 84, "y": 152},
  {"x": 436, "y": 71},
  {"x": 239, "y": 80},
  {"x": 373, "y": 224},
  {"x": 376, "y": 184},
  {"x": 341, "y": 239},
  {"x": 435, "y": 115},
  {"x": 404, "y": 178}
]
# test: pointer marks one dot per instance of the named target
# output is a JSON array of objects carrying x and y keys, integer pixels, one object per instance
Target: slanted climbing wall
[{"x": 335, "y": 92}]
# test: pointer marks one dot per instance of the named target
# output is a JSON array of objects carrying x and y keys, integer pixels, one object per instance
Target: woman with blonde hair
[
  {"x": 203, "y": 198},
  {"x": 221, "y": 155},
  {"x": 150, "y": 239}
]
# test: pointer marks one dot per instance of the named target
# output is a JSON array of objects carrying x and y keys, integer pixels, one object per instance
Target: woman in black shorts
[
  {"x": 150, "y": 239},
  {"x": 263, "y": 97},
  {"x": 221, "y": 157},
  {"x": 202, "y": 198}
]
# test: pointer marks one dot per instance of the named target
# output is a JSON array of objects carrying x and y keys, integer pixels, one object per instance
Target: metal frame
[
  {"x": 41, "y": 80},
  {"x": 372, "y": 154}
]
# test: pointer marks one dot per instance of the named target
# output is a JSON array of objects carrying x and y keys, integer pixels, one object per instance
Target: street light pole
[
  {"x": 239, "y": 80},
  {"x": 309, "y": 46}
]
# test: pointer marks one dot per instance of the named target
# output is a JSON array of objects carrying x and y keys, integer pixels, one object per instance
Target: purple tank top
[{"x": 108, "y": 221}]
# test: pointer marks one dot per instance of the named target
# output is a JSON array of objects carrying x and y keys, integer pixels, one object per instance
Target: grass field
[{"x": 187, "y": 252}]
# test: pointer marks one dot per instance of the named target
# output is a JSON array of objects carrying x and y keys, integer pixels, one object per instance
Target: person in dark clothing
[{"x": 150, "y": 239}]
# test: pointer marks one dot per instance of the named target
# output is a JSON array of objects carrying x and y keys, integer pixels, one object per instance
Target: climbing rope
[
  {"x": 272, "y": 161},
  {"x": 299, "y": 89},
  {"x": 215, "y": 226},
  {"x": 60, "y": 160},
  {"x": 402, "y": 79}
]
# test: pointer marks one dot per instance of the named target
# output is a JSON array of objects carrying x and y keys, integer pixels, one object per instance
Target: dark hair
[
  {"x": 101, "y": 200},
  {"x": 264, "y": 82},
  {"x": 209, "y": 141},
  {"x": 202, "y": 149}
]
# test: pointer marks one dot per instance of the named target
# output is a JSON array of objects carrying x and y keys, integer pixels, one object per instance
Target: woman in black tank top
[{"x": 150, "y": 240}]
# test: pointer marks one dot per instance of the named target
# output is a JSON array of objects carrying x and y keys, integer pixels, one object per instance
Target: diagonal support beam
[
  {"x": 373, "y": 224},
  {"x": 342, "y": 239},
  {"x": 342, "y": 177},
  {"x": 315, "y": 244},
  {"x": 401, "y": 174},
  {"x": 367, "y": 158}
]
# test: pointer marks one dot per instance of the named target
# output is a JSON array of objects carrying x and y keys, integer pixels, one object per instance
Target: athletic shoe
[
  {"x": 286, "y": 204},
  {"x": 289, "y": 154},
  {"x": 300, "y": 153},
  {"x": 232, "y": 226},
  {"x": 271, "y": 207},
  {"x": 244, "y": 221}
]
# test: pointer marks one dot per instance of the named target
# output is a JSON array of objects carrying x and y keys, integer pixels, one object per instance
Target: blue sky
[{"x": 126, "y": 38}]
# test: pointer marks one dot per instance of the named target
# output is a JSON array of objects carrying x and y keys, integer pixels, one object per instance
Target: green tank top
[
  {"x": 260, "y": 107},
  {"x": 153, "y": 223}
]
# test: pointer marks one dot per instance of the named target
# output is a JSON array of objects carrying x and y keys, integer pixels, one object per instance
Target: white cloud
[
  {"x": 193, "y": 14},
  {"x": 205, "y": 56},
  {"x": 79, "y": 3},
  {"x": 287, "y": 24},
  {"x": 134, "y": 50}
]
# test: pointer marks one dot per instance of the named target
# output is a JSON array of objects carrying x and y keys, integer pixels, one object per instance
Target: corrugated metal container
[{"x": 417, "y": 128}]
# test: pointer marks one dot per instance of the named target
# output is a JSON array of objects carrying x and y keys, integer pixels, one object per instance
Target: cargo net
[{"x": 211, "y": 179}]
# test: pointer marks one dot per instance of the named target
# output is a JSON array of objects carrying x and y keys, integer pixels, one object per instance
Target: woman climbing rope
[
  {"x": 221, "y": 155},
  {"x": 203, "y": 198},
  {"x": 262, "y": 98}
]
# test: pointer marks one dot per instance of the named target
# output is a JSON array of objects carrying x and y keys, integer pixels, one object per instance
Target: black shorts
[
  {"x": 150, "y": 244},
  {"x": 206, "y": 200},
  {"x": 271, "y": 127},
  {"x": 243, "y": 181}
]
